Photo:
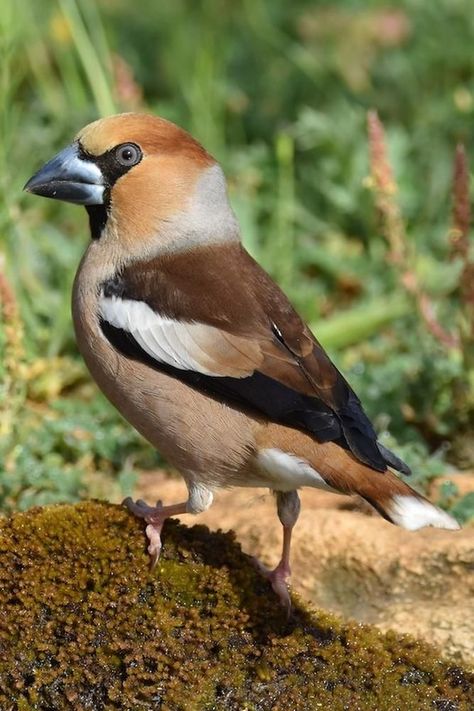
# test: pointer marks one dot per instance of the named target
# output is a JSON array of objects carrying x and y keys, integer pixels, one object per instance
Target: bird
[{"x": 198, "y": 348}]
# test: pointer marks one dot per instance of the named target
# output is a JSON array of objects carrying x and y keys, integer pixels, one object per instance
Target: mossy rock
[{"x": 86, "y": 625}]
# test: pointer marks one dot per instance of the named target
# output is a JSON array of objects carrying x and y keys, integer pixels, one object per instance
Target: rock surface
[
  {"x": 355, "y": 564},
  {"x": 85, "y": 625}
]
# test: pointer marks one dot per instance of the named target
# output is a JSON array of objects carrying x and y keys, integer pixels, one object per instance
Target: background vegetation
[{"x": 279, "y": 92}]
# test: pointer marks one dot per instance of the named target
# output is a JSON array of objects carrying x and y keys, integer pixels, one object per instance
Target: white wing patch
[{"x": 187, "y": 346}]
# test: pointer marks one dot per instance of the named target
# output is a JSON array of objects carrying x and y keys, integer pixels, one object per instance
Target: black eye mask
[{"x": 113, "y": 164}]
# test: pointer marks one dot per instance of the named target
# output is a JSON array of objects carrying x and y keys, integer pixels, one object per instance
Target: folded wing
[{"x": 217, "y": 321}]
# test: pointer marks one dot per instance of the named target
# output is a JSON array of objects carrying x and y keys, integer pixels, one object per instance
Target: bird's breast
[{"x": 199, "y": 435}]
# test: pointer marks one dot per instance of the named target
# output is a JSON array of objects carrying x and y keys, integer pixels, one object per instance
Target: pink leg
[
  {"x": 279, "y": 575},
  {"x": 155, "y": 516},
  {"x": 288, "y": 505}
]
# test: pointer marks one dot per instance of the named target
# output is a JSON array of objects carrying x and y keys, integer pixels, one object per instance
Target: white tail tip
[{"x": 413, "y": 513}]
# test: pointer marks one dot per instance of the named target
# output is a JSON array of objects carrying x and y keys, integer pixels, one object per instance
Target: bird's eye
[{"x": 128, "y": 154}]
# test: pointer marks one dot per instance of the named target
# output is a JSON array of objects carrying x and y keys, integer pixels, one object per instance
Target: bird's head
[{"x": 145, "y": 182}]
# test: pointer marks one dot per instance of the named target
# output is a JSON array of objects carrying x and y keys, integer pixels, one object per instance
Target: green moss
[{"x": 86, "y": 625}]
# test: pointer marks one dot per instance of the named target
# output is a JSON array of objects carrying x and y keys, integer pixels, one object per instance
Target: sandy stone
[{"x": 352, "y": 562}]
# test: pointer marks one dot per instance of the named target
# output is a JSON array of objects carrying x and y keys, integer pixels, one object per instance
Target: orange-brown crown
[{"x": 154, "y": 135}]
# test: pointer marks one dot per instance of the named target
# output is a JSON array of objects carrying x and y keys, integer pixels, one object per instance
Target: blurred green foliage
[{"x": 279, "y": 92}]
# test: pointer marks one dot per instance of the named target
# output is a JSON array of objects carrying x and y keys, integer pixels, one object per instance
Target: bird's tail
[
  {"x": 400, "y": 504},
  {"x": 390, "y": 496}
]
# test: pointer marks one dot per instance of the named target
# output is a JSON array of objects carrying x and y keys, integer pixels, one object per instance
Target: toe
[
  {"x": 262, "y": 569},
  {"x": 280, "y": 588},
  {"x": 154, "y": 547},
  {"x": 277, "y": 578},
  {"x": 135, "y": 507},
  {"x": 141, "y": 509}
]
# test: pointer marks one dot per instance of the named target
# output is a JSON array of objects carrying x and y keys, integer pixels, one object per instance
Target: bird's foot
[
  {"x": 277, "y": 578},
  {"x": 155, "y": 517}
]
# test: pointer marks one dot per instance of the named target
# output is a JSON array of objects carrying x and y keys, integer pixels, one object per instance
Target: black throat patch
[{"x": 97, "y": 219}]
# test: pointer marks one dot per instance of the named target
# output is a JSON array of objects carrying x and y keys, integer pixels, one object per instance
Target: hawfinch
[{"x": 195, "y": 344}]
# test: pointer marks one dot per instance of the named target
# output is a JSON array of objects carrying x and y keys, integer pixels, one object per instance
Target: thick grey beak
[{"x": 69, "y": 177}]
